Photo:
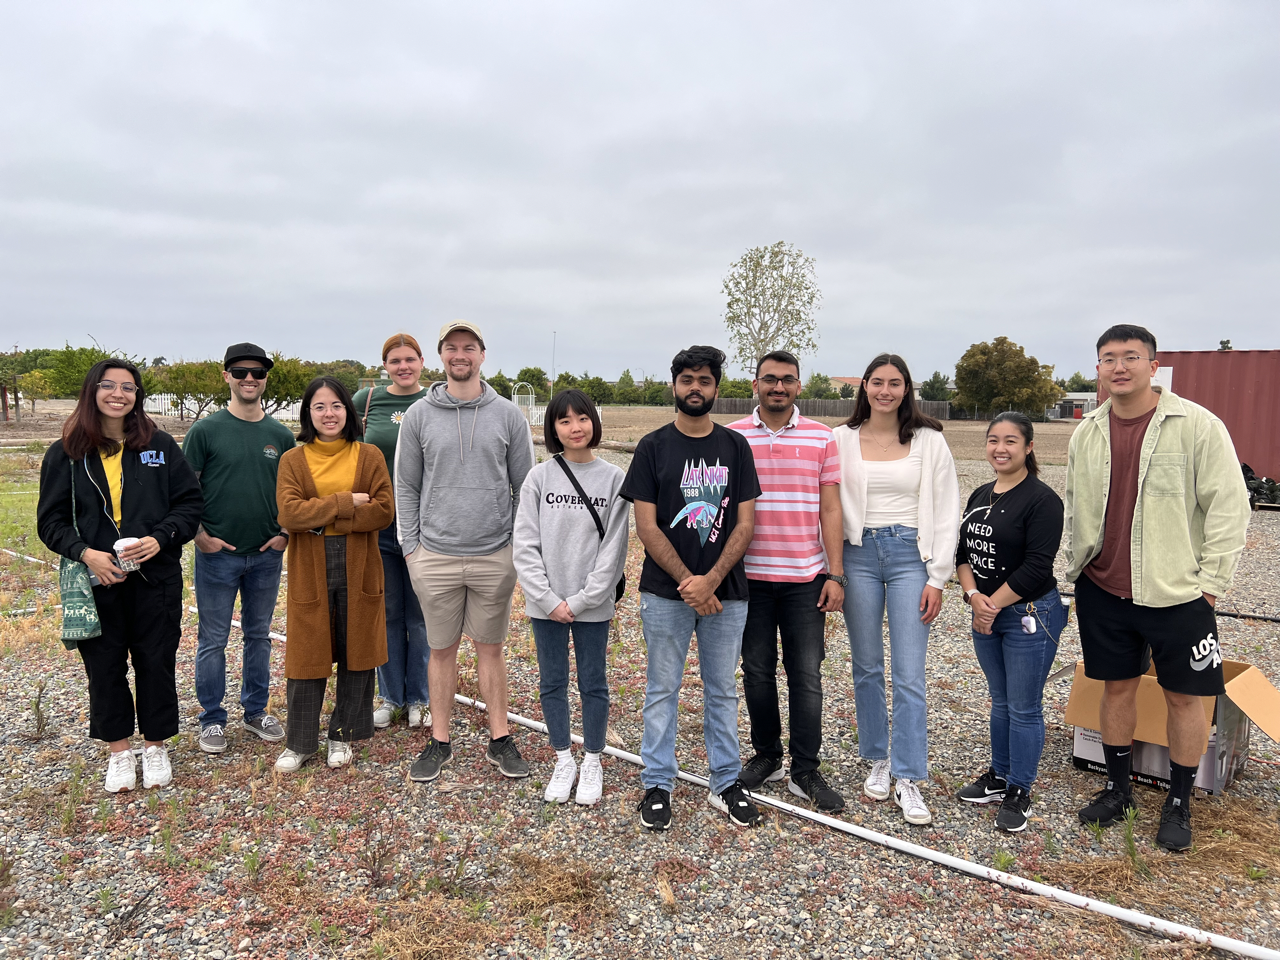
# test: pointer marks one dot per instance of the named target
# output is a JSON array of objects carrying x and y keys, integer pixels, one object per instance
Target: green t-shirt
[
  {"x": 237, "y": 462},
  {"x": 386, "y": 410}
]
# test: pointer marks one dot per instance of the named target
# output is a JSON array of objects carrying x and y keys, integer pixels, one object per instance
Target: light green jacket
[{"x": 1192, "y": 511}]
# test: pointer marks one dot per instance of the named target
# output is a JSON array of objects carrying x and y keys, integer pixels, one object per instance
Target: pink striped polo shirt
[{"x": 792, "y": 465}]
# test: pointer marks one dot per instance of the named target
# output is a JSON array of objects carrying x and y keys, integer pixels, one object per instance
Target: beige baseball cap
[{"x": 453, "y": 325}]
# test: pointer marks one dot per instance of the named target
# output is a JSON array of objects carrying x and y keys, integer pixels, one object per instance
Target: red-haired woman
[{"x": 128, "y": 481}]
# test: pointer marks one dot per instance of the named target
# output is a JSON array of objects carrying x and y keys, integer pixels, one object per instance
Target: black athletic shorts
[{"x": 1115, "y": 632}]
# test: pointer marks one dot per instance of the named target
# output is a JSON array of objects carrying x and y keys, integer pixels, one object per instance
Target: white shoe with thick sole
[
  {"x": 122, "y": 772},
  {"x": 419, "y": 716},
  {"x": 291, "y": 762},
  {"x": 876, "y": 786},
  {"x": 382, "y": 717},
  {"x": 339, "y": 754},
  {"x": 590, "y": 781},
  {"x": 561, "y": 783},
  {"x": 156, "y": 769},
  {"x": 907, "y": 796}
]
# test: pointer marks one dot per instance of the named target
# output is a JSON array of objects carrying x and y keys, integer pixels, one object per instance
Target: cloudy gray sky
[{"x": 318, "y": 175}]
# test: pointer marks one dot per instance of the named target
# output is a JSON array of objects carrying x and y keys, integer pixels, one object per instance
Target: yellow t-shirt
[
  {"x": 333, "y": 468},
  {"x": 114, "y": 467}
]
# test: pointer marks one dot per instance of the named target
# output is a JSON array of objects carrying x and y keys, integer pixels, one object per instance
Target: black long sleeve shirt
[{"x": 1012, "y": 538}]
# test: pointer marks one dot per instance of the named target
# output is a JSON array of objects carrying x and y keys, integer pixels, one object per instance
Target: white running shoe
[
  {"x": 907, "y": 795},
  {"x": 122, "y": 772},
  {"x": 291, "y": 762},
  {"x": 156, "y": 770},
  {"x": 382, "y": 716},
  {"x": 561, "y": 784},
  {"x": 590, "y": 781},
  {"x": 419, "y": 716},
  {"x": 339, "y": 754},
  {"x": 876, "y": 786}
]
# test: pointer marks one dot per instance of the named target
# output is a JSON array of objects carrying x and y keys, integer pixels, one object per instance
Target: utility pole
[{"x": 553, "y": 359}]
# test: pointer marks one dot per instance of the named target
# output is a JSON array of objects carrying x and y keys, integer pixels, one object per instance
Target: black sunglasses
[{"x": 257, "y": 373}]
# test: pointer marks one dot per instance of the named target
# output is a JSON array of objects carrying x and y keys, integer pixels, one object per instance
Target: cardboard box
[{"x": 1249, "y": 697}]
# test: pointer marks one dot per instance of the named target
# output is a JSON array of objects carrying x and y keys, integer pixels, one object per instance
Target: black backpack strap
[{"x": 568, "y": 472}]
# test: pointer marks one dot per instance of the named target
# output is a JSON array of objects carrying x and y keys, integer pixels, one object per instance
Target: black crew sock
[
  {"x": 502, "y": 739},
  {"x": 1181, "y": 780},
  {"x": 1119, "y": 764}
]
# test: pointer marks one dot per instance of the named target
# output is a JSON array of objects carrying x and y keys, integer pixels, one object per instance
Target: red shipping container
[{"x": 1241, "y": 386}]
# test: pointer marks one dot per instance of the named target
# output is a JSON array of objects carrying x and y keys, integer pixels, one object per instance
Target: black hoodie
[{"x": 161, "y": 498}]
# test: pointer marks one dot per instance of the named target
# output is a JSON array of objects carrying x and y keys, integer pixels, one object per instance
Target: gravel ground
[{"x": 234, "y": 861}]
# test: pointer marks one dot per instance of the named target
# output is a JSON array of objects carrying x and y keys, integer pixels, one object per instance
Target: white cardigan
[{"x": 938, "y": 523}]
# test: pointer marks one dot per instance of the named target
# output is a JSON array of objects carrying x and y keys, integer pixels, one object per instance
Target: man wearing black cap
[{"x": 239, "y": 547}]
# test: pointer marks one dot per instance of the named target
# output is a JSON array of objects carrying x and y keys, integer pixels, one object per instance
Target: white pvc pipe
[{"x": 1131, "y": 917}]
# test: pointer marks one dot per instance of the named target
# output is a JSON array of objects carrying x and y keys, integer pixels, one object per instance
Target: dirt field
[{"x": 966, "y": 438}]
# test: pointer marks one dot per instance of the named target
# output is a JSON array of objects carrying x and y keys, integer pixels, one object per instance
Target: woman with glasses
[
  {"x": 402, "y": 680},
  {"x": 334, "y": 496},
  {"x": 1009, "y": 536},
  {"x": 117, "y": 495},
  {"x": 901, "y": 504}
]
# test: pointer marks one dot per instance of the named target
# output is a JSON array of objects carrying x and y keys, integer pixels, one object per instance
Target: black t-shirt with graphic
[
  {"x": 1012, "y": 537},
  {"x": 696, "y": 483}
]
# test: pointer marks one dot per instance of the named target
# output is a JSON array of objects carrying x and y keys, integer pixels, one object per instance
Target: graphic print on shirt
[
  {"x": 705, "y": 499},
  {"x": 978, "y": 542},
  {"x": 397, "y": 416}
]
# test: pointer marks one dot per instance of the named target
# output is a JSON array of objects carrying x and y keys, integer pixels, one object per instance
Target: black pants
[
  {"x": 792, "y": 610},
  {"x": 352, "y": 717},
  {"x": 141, "y": 622}
]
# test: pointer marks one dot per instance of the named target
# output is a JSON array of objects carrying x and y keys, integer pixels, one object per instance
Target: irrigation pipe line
[{"x": 1132, "y": 917}]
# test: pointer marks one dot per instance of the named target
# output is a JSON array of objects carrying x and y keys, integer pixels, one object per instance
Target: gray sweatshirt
[
  {"x": 557, "y": 549},
  {"x": 459, "y": 468}
]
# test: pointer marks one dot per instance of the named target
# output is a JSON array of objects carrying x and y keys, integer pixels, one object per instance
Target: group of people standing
[{"x": 409, "y": 513}]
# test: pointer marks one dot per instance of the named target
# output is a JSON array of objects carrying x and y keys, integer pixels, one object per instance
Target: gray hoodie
[{"x": 460, "y": 465}]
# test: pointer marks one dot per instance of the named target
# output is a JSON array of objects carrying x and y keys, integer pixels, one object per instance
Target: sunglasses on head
[{"x": 256, "y": 373}]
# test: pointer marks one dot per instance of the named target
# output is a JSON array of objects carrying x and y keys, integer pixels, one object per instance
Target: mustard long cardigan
[{"x": 309, "y": 652}]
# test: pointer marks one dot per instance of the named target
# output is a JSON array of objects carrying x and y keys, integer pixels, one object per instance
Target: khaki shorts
[{"x": 463, "y": 595}]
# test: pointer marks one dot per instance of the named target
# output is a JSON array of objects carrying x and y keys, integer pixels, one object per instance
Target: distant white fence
[{"x": 168, "y": 405}]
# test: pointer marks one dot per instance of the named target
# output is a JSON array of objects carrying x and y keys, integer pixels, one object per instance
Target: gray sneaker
[
  {"x": 213, "y": 739},
  {"x": 265, "y": 726},
  {"x": 504, "y": 755}
]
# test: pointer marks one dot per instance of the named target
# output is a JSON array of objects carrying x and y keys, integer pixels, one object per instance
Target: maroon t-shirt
[{"x": 1112, "y": 569}]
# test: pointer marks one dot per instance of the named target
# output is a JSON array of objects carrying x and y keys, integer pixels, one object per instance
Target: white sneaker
[
  {"x": 122, "y": 772},
  {"x": 382, "y": 717},
  {"x": 907, "y": 795},
  {"x": 876, "y": 786},
  {"x": 156, "y": 770},
  {"x": 591, "y": 781},
  {"x": 291, "y": 761},
  {"x": 419, "y": 716},
  {"x": 562, "y": 778},
  {"x": 339, "y": 754}
]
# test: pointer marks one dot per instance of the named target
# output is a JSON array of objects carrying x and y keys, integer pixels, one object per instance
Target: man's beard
[
  {"x": 695, "y": 411},
  {"x": 777, "y": 404},
  {"x": 462, "y": 378}
]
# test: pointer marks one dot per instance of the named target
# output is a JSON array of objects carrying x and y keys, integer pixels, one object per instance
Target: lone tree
[
  {"x": 999, "y": 375},
  {"x": 935, "y": 388},
  {"x": 772, "y": 298}
]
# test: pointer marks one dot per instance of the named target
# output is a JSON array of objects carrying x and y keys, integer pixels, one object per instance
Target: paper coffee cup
[{"x": 128, "y": 566}]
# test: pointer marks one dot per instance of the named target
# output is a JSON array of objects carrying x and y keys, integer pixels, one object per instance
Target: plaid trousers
[{"x": 352, "y": 717}]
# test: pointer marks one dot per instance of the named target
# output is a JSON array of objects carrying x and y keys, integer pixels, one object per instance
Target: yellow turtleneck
[{"x": 333, "y": 468}]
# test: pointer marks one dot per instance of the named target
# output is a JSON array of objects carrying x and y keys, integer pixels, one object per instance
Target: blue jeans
[
  {"x": 590, "y": 641},
  {"x": 668, "y": 627},
  {"x": 887, "y": 570},
  {"x": 402, "y": 680},
  {"x": 1017, "y": 665},
  {"x": 219, "y": 577}
]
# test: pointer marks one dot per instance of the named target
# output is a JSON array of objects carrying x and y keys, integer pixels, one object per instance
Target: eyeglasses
[
  {"x": 769, "y": 380},
  {"x": 1132, "y": 360},
  {"x": 321, "y": 409},
  {"x": 106, "y": 386},
  {"x": 257, "y": 373}
]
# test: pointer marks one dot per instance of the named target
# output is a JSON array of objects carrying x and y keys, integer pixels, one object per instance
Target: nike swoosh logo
[{"x": 1200, "y": 665}]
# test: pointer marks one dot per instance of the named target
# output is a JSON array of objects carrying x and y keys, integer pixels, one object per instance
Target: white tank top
[{"x": 893, "y": 491}]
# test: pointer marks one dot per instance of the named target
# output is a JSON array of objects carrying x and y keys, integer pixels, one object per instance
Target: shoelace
[
  {"x": 910, "y": 795},
  {"x": 153, "y": 759},
  {"x": 122, "y": 760},
  {"x": 564, "y": 773},
  {"x": 214, "y": 730}
]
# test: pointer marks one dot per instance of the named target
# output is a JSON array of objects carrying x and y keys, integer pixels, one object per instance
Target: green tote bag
[{"x": 79, "y": 612}]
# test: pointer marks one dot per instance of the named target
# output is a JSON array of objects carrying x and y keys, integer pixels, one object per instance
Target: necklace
[
  {"x": 992, "y": 501},
  {"x": 883, "y": 446}
]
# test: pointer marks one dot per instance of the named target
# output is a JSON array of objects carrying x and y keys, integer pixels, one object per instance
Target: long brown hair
[
  {"x": 83, "y": 430},
  {"x": 910, "y": 417}
]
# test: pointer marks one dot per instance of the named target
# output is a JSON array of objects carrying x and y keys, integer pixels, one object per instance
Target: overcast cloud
[{"x": 316, "y": 176}]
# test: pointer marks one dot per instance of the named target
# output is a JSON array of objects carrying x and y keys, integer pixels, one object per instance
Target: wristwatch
[
  {"x": 968, "y": 594},
  {"x": 840, "y": 579}
]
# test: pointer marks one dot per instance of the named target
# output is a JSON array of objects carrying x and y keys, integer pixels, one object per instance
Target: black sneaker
[
  {"x": 760, "y": 770},
  {"x": 1013, "y": 811},
  {"x": 1175, "y": 826},
  {"x": 813, "y": 786},
  {"x": 505, "y": 755},
  {"x": 987, "y": 788},
  {"x": 655, "y": 809},
  {"x": 1109, "y": 806},
  {"x": 434, "y": 756},
  {"x": 734, "y": 801}
]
